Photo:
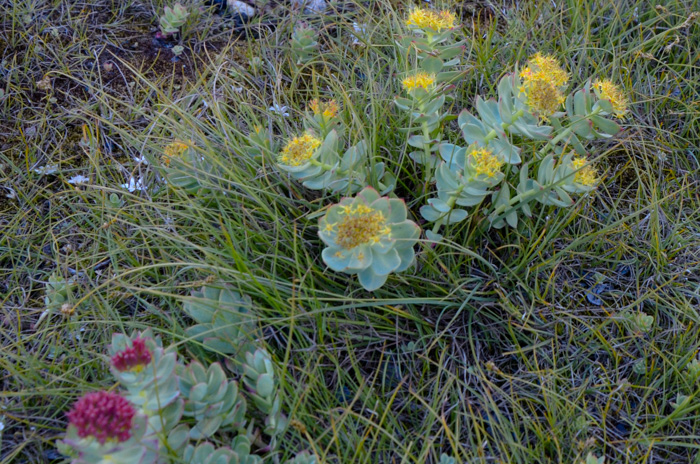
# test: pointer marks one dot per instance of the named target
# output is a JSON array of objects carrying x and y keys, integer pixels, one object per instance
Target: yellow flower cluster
[
  {"x": 540, "y": 65},
  {"x": 328, "y": 109},
  {"x": 360, "y": 225},
  {"x": 543, "y": 83},
  {"x": 175, "y": 150},
  {"x": 611, "y": 92},
  {"x": 418, "y": 81},
  {"x": 586, "y": 174},
  {"x": 429, "y": 19},
  {"x": 485, "y": 162},
  {"x": 299, "y": 150}
]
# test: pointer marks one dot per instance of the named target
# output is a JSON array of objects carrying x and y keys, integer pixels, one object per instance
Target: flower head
[
  {"x": 540, "y": 65},
  {"x": 327, "y": 109},
  {"x": 420, "y": 80},
  {"x": 133, "y": 358},
  {"x": 103, "y": 415},
  {"x": 299, "y": 150},
  {"x": 543, "y": 81},
  {"x": 586, "y": 174},
  {"x": 429, "y": 19},
  {"x": 606, "y": 90},
  {"x": 360, "y": 225},
  {"x": 485, "y": 162},
  {"x": 174, "y": 150}
]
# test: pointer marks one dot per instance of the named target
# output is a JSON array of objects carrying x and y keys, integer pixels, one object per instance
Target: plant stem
[
  {"x": 451, "y": 203},
  {"x": 565, "y": 133},
  {"x": 326, "y": 167}
]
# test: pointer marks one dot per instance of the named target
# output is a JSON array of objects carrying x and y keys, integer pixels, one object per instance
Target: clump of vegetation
[{"x": 425, "y": 234}]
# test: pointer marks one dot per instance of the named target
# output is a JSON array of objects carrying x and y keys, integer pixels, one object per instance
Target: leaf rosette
[{"x": 370, "y": 236}]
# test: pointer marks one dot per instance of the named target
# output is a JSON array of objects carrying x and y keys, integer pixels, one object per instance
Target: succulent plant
[
  {"x": 105, "y": 427},
  {"x": 147, "y": 372},
  {"x": 206, "y": 453},
  {"x": 591, "y": 458},
  {"x": 464, "y": 178},
  {"x": 212, "y": 399},
  {"x": 432, "y": 31},
  {"x": 445, "y": 459},
  {"x": 303, "y": 44},
  {"x": 640, "y": 322},
  {"x": 186, "y": 170},
  {"x": 526, "y": 100},
  {"x": 370, "y": 236},
  {"x": 318, "y": 165},
  {"x": 57, "y": 295},
  {"x": 173, "y": 19},
  {"x": 57, "y": 291},
  {"x": 225, "y": 323},
  {"x": 260, "y": 381},
  {"x": 436, "y": 56}
]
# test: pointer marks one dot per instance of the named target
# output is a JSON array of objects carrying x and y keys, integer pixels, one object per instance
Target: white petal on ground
[
  {"x": 134, "y": 184},
  {"x": 46, "y": 170},
  {"x": 279, "y": 109},
  {"x": 141, "y": 159},
  {"x": 79, "y": 179}
]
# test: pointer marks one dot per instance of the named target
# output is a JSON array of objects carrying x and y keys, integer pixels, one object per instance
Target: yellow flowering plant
[
  {"x": 184, "y": 168},
  {"x": 369, "y": 236},
  {"x": 532, "y": 104},
  {"x": 430, "y": 46},
  {"x": 323, "y": 117},
  {"x": 318, "y": 164}
]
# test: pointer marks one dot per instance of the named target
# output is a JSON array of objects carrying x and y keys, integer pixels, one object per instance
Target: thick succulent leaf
[
  {"x": 336, "y": 258},
  {"x": 432, "y": 65},
  {"x": 505, "y": 150},
  {"x": 265, "y": 385},
  {"x": 206, "y": 427},
  {"x": 439, "y": 205},
  {"x": 452, "y": 154},
  {"x": 385, "y": 263},
  {"x": 398, "y": 211},
  {"x": 474, "y": 133},
  {"x": 545, "y": 173},
  {"x": 370, "y": 280},
  {"x": 360, "y": 258},
  {"x": 429, "y": 213},
  {"x": 456, "y": 215},
  {"x": 488, "y": 110},
  {"x": 434, "y": 105},
  {"x": 467, "y": 199},
  {"x": 605, "y": 126},
  {"x": 433, "y": 236}
]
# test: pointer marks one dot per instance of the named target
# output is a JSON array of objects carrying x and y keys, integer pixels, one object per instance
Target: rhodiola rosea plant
[
  {"x": 525, "y": 146},
  {"x": 166, "y": 410}
]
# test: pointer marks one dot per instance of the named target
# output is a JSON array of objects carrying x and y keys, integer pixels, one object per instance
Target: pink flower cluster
[
  {"x": 103, "y": 415},
  {"x": 135, "y": 356}
]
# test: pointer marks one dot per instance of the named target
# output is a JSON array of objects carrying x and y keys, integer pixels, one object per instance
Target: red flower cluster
[
  {"x": 103, "y": 415},
  {"x": 136, "y": 356}
]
